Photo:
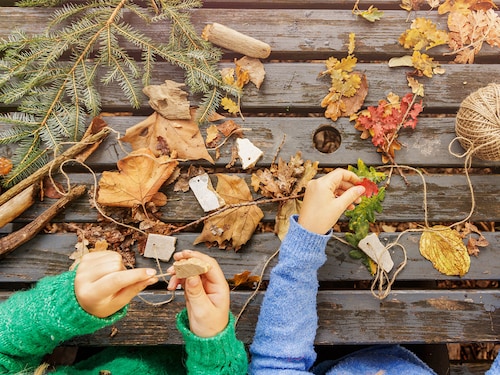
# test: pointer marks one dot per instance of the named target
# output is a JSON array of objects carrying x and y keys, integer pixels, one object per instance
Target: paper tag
[
  {"x": 372, "y": 247},
  {"x": 248, "y": 152},
  {"x": 205, "y": 194},
  {"x": 159, "y": 246}
]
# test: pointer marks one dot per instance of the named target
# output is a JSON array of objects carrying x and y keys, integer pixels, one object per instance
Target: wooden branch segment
[
  {"x": 233, "y": 40},
  {"x": 23, "y": 235},
  {"x": 17, "y": 205},
  {"x": 70, "y": 153}
]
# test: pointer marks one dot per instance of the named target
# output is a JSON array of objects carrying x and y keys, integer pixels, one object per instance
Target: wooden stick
[
  {"x": 17, "y": 205},
  {"x": 66, "y": 155},
  {"x": 233, "y": 40},
  {"x": 23, "y": 235}
]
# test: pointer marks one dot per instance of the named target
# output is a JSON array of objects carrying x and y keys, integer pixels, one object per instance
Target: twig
[
  {"x": 23, "y": 235},
  {"x": 45, "y": 170},
  {"x": 231, "y": 206}
]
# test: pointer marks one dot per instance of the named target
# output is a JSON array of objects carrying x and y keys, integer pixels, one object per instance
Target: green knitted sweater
[{"x": 34, "y": 322}]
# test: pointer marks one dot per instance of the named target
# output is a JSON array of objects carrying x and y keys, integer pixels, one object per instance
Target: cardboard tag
[
  {"x": 205, "y": 194},
  {"x": 372, "y": 247},
  {"x": 248, "y": 152},
  {"x": 159, "y": 246}
]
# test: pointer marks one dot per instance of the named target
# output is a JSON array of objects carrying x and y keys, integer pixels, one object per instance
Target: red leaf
[{"x": 371, "y": 187}]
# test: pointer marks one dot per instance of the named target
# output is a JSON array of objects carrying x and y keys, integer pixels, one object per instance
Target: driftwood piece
[
  {"x": 70, "y": 153},
  {"x": 17, "y": 205},
  {"x": 233, "y": 40},
  {"x": 23, "y": 235}
]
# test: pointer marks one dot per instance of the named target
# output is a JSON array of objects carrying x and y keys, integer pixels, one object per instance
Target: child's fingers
[{"x": 113, "y": 283}]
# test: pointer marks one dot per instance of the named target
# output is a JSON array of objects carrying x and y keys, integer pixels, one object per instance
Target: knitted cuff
[
  {"x": 303, "y": 246},
  {"x": 221, "y": 354}
]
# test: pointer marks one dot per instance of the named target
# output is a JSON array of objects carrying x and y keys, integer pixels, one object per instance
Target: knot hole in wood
[{"x": 326, "y": 139}]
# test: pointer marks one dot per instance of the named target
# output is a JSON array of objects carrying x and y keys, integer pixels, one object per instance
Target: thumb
[
  {"x": 351, "y": 195},
  {"x": 194, "y": 291}
]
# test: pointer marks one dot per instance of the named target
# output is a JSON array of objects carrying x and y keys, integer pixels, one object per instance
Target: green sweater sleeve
[
  {"x": 34, "y": 322},
  {"x": 223, "y": 354}
]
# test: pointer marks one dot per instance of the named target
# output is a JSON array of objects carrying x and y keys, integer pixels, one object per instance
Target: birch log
[{"x": 233, "y": 40}]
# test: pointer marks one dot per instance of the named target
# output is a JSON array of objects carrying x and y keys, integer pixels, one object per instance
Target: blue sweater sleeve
[{"x": 286, "y": 328}]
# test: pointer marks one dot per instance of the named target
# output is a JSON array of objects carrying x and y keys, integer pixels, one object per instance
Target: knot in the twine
[{"x": 478, "y": 123}]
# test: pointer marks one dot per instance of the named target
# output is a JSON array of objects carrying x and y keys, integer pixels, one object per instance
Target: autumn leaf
[
  {"x": 245, "y": 279},
  {"x": 235, "y": 226},
  {"x": 5, "y": 166},
  {"x": 410, "y": 5},
  {"x": 230, "y": 105},
  {"x": 372, "y": 14},
  {"x": 469, "y": 31},
  {"x": 288, "y": 208},
  {"x": 383, "y": 122},
  {"x": 253, "y": 68},
  {"x": 348, "y": 89},
  {"x": 139, "y": 177},
  {"x": 443, "y": 246},
  {"x": 423, "y": 33},
  {"x": 163, "y": 137},
  {"x": 169, "y": 100}
]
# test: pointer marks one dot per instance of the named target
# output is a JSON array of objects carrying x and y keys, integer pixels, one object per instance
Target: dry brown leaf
[
  {"x": 243, "y": 279},
  {"x": 140, "y": 176},
  {"x": 181, "y": 136},
  {"x": 169, "y": 100},
  {"x": 285, "y": 210},
  {"x": 443, "y": 246},
  {"x": 255, "y": 69},
  {"x": 233, "y": 227}
]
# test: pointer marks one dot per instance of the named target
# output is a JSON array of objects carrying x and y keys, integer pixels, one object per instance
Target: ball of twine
[{"x": 478, "y": 123}]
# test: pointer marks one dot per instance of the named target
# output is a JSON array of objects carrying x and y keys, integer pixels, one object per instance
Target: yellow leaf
[
  {"x": 229, "y": 105},
  {"x": 212, "y": 133},
  {"x": 416, "y": 87},
  {"x": 290, "y": 207},
  {"x": 352, "y": 43},
  {"x": 444, "y": 247}
]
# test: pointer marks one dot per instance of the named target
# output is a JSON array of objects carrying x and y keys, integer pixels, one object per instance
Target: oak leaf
[
  {"x": 235, "y": 226},
  {"x": 163, "y": 137},
  {"x": 423, "y": 33},
  {"x": 443, "y": 246},
  {"x": 139, "y": 177}
]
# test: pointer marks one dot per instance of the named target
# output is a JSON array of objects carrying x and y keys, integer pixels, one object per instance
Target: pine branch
[{"x": 56, "y": 96}]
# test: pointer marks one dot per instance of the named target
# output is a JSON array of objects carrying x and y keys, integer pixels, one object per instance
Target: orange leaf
[{"x": 140, "y": 176}]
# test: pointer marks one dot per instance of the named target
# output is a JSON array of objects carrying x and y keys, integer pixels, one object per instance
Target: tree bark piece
[
  {"x": 233, "y": 40},
  {"x": 23, "y": 235},
  {"x": 17, "y": 205}
]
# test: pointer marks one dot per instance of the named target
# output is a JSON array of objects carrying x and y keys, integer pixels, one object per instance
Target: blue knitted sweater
[
  {"x": 284, "y": 338},
  {"x": 34, "y": 322}
]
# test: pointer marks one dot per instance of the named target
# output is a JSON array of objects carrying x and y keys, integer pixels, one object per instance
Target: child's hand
[
  {"x": 207, "y": 296},
  {"x": 327, "y": 198},
  {"x": 103, "y": 285}
]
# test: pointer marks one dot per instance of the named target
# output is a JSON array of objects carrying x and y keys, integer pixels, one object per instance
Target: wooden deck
[{"x": 302, "y": 35}]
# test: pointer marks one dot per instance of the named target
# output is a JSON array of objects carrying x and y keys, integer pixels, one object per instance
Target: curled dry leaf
[
  {"x": 235, "y": 226},
  {"x": 157, "y": 133},
  {"x": 169, "y": 100},
  {"x": 443, "y": 246},
  {"x": 140, "y": 176}
]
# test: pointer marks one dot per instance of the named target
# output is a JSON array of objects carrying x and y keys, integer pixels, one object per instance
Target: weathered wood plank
[
  {"x": 425, "y": 146},
  {"x": 295, "y": 87},
  {"x": 293, "y": 33},
  {"x": 48, "y": 255},
  {"x": 345, "y": 317},
  {"x": 448, "y": 200}
]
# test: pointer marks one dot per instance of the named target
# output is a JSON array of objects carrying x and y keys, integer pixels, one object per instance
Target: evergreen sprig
[{"x": 54, "y": 96}]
